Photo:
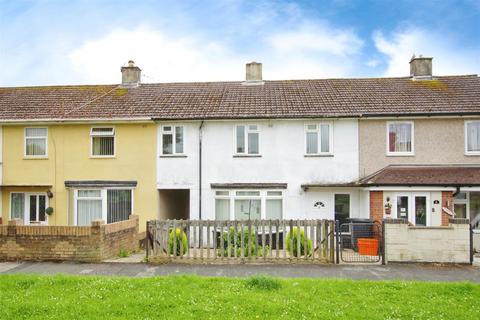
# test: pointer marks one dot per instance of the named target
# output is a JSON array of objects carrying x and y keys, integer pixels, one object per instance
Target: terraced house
[{"x": 255, "y": 149}]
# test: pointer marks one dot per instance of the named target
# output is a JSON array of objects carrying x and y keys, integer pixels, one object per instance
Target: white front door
[
  {"x": 35, "y": 205},
  {"x": 415, "y": 207}
]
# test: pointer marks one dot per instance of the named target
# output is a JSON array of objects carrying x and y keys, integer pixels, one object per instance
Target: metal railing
[{"x": 241, "y": 240}]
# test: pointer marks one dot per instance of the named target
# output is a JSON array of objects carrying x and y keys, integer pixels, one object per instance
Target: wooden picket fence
[{"x": 241, "y": 241}]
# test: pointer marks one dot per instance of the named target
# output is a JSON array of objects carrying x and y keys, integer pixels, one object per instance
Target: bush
[
  {"x": 233, "y": 234},
  {"x": 263, "y": 283},
  {"x": 292, "y": 243},
  {"x": 123, "y": 253},
  {"x": 177, "y": 236}
]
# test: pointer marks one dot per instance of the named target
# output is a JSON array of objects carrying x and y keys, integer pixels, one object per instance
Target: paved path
[{"x": 372, "y": 272}]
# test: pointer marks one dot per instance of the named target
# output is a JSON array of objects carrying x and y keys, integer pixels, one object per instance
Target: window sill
[
  {"x": 472, "y": 154},
  {"x": 35, "y": 158},
  {"x": 173, "y": 156},
  {"x": 318, "y": 155},
  {"x": 247, "y": 155},
  {"x": 102, "y": 157}
]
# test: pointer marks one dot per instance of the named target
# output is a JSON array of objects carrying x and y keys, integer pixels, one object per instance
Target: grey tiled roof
[{"x": 233, "y": 100}]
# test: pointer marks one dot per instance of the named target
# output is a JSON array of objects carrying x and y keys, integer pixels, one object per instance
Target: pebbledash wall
[
  {"x": 56, "y": 243},
  {"x": 447, "y": 244},
  {"x": 282, "y": 159}
]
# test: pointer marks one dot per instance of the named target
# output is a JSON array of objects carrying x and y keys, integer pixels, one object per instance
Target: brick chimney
[
  {"x": 253, "y": 74},
  {"x": 421, "y": 67},
  {"x": 131, "y": 75}
]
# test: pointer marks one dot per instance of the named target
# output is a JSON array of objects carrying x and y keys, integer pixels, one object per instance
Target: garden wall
[
  {"x": 57, "y": 243},
  {"x": 449, "y": 244}
]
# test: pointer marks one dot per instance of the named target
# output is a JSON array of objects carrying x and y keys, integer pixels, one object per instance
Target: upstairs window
[
  {"x": 172, "y": 140},
  {"x": 247, "y": 139},
  {"x": 319, "y": 139},
  {"x": 400, "y": 138},
  {"x": 472, "y": 137},
  {"x": 103, "y": 142},
  {"x": 36, "y": 142}
]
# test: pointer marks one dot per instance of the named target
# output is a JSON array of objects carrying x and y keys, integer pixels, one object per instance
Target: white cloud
[
  {"x": 448, "y": 58},
  {"x": 315, "y": 51}
]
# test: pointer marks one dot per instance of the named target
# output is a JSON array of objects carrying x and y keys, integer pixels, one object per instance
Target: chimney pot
[
  {"x": 253, "y": 72},
  {"x": 421, "y": 67},
  {"x": 131, "y": 75}
]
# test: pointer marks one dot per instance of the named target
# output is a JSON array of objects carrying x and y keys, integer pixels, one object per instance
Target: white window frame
[
  {"x": 174, "y": 144},
  {"x": 26, "y": 212},
  {"x": 247, "y": 131},
  {"x": 319, "y": 138},
  {"x": 263, "y": 197},
  {"x": 400, "y": 153},
  {"x": 25, "y": 138},
  {"x": 100, "y": 135},
  {"x": 465, "y": 132},
  {"x": 103, "y": 198},
  {"x": 411, "y": 205}
]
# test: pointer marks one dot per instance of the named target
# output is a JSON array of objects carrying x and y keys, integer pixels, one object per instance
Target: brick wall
[
  {"x": 447, "y": 202},
  {"x": 376, "y": 205},
  {"x": 56, "y": 243}
]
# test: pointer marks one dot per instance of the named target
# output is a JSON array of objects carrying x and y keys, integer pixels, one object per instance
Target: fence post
[
  {"x": 337, "y": 233},
  {"x": 331, "y": 225},
  {"x": 383, "y": 242},
  {"x": 471, "y": 243},
  {"x": 147, "y": 241}
]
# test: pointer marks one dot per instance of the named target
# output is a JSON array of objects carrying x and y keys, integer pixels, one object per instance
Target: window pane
[
  {"x": 41, "y": 208},
  {"x": 274, "y": 193},
  {"x": 342, "y": 207},
  {"x": 248, "y": 193},
  {"x": 17, "y": 205},
  {"x": 36, "y": 147},
  {"x": 33, "y": 208},
  {"x": 247, "y": 209},
  {"x": 312, "y": 127},
  {"x": 460, "y": 210},
  {"x": 87, "y": 211},
  {"x": 274, "y": 209},
  {"x": 119, "y": 205},
  {"x": 400, "y": 137},
  {"x": 103, "y": 131},
  {"x": 178, "y": 139},
  {"x": 89, "y": 193},
  {"x": 253, "y": 142},
  {"x": 240, "y": 139},
  {"x": 222, "y": 193},
  {"x": 167, "y": 144},
  {"x": 402, "y": 207},
  {"x": 325, "y": 138},
  {"x": 461, "y": 196},
  {"x": 474, "y": 205},
  {"x": 421, "y": 211},
  {"x": 103, "y": 146},
  {"x": 473, "y": 136},
  {"x": 222, "y": 209},
  {"x": 312, "y": 142},
  {"x": 36, "y": 132}
]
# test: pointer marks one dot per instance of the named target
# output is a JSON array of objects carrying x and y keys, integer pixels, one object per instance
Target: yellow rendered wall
[{"x": 69, "y": 159}]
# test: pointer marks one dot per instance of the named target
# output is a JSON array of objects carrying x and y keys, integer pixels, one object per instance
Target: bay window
[
  {"x": 248, "y": 205},
  {"x": 247, "y": 139},
  {"x": 102, "y": 142},
  {"x": 319, "y": 139},
  {"x": 36, "y": 142},
  {"x": 110, "y": 205},
  {"x": 400, "y": 138},
  {"x": 172, "y": 140},
  {"x": 472, "y": 137}
]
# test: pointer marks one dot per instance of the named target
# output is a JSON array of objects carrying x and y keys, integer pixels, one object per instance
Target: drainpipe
[
  {"x": 456, "y": 192},
  {"x": 200, "y": 171}
]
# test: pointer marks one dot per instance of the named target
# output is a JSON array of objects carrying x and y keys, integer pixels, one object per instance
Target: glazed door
[
  {"x": 36, "y": 205},
  {"x": 421, "y": 210}
]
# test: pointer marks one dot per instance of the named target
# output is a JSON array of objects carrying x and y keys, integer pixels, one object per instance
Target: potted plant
[
  {"x": 388, "y": 207},
  {"x": 49, "y": 211}
]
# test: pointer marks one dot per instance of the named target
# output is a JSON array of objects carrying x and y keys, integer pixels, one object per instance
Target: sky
[{"x": 86, "y": 42}]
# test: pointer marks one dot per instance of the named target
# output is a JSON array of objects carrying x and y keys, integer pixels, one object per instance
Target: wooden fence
[{"x": 309, "y": 241}]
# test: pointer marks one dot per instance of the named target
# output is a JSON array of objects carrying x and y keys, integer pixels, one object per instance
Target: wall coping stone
[{"x": 395, "y": 221}]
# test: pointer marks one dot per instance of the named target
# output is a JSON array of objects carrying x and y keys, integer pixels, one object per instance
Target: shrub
[
  {"x": 123, "y": 253},
  {"x": 263, "y": 283},
  {"x": 233, "y": 234},
  {"x": 292, "y": 243},
  {"x": 177, "y": 236}
]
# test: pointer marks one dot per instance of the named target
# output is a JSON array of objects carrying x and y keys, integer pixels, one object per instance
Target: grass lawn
[{"x": 192, "y": 297}]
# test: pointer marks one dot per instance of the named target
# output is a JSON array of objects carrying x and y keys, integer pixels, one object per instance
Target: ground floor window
[
  {"x": 29, "y": 207},
  {"x": 248, "y": 205},
  {"x": 467, "y": 205},
  {"x": 342, "y": 207},
  {"x": 111, "y": 205}
]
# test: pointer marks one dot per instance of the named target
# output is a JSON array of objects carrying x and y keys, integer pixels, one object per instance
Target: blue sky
[{"x": 76, "y": 42}]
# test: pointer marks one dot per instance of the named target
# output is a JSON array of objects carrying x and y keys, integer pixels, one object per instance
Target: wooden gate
[{"x": 310, "y": 241}]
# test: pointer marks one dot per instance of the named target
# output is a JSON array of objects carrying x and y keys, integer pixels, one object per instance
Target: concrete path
[{"x": 372, "y": 272}]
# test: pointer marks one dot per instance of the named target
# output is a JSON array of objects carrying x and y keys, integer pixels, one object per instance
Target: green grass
[{"x": 191, "y": 297}]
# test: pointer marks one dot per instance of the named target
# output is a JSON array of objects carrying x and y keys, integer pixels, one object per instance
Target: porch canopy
[{"x": 425, "y": 175}]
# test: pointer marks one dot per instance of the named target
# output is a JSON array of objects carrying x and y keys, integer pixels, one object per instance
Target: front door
[
  {"x": 36, "y": 205},
  {"x": 415, "y": 207},
  {"x": 421, "y": 210}
]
